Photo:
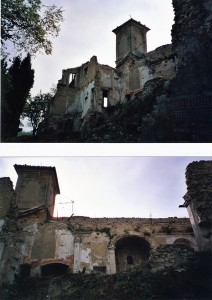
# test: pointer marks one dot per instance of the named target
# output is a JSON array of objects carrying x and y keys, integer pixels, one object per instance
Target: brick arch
[{"x": 131, "y": 251}]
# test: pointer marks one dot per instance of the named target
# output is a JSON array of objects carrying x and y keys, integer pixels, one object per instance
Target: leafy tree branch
[{"x": 29, "y": 25}]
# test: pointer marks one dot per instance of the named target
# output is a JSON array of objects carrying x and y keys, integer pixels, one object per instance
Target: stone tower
[
  {"x": 36, "y": 186},
  {"x": 130, "y": 38}
]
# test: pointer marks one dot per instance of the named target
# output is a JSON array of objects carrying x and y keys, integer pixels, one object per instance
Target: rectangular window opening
[
  {"x": 105, "y": 98},
  {"x": 85, "y": 71}
]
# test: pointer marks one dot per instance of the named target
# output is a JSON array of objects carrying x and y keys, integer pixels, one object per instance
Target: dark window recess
[
  {"x": 129, "y": 260},
  {"x": 25, "y": 270},
  {"x": 71, "y": 84},
  {"x": 101, "y": 269},
  {"x": 54, "y": 269},
  {"x": 85, "y": 71},
  {"x": 128, "y": 97},
  {"x": 105, "y": 93}
]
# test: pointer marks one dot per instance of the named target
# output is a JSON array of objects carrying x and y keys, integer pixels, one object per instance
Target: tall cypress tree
[{"x": 21, "y": 77}]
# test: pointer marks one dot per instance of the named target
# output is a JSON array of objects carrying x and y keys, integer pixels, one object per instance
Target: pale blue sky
[
  {"x": 87, "y": 31},
  {"x": 115, "y": 186}
]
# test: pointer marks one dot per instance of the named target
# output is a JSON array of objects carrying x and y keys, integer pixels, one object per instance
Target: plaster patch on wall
[
  {"x": 64, "y": 244},
  {"x": 85, "y": 255},
  {"x": 85, "y": 97}
]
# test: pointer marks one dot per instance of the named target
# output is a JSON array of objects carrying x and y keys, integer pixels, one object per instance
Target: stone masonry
[
  {"x": 198, "y": 201},
  {"x": 191, "y": 90}
]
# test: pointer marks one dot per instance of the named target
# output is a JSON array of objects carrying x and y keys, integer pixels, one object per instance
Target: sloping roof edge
[
  {"x": 129, "y": 55},
  {"x": 131, "y": 21}
]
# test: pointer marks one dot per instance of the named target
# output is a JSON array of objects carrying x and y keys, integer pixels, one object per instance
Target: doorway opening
[{"x": 53, "y": 269}]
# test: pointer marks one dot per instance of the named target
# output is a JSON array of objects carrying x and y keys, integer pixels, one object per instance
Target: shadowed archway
[{"x": 131, "y": 251}]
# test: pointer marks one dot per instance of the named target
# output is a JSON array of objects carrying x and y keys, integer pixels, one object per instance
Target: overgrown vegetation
[
  {"x": 36, "y": 109},
  {"x": 27, "y": 27},
  {"x": 192, "y": 282},
  {"x": 17, "y": 80}
]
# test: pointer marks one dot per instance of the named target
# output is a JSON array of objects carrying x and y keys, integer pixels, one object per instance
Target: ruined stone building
[
  {"x": 183, "y": 101},
  {"x": 93, "y": 86},
  {"x": 33, "y": 243}
]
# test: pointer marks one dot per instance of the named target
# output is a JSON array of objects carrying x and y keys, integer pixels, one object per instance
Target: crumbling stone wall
[
  {"x": 10, "y": 246},
  {"x": 167, "y": 256},
  {"x": 89, "y": 84},
  {"x": 162, "y": 61},
  {"x": 7, "y": 227},
  {"x": 83, "y": 243},
  {"x": 191, "y": 90},
  {"x": 135, "y": 72},
  {"x": 198, "y": 201},
  {"x": 103, "y": 242},
  {"x": 191, "y": 39},
  {"x": 7, "y": 196}
]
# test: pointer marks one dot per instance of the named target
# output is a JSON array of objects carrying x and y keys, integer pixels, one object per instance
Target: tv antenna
[{"x": 68, "y": 202}]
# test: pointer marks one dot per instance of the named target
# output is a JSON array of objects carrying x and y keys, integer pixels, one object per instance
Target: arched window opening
[
  {"x": 53, "y": 269},
  {"x": 129, "y": 260}
]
